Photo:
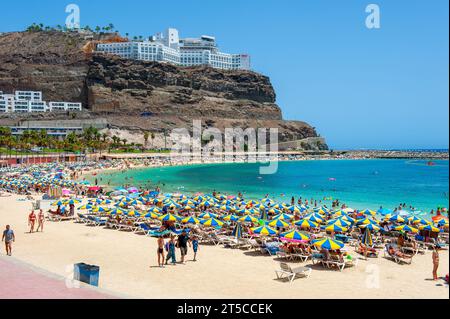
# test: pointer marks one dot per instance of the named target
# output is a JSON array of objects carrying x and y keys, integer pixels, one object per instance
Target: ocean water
[{"x": 358, "y": 183}]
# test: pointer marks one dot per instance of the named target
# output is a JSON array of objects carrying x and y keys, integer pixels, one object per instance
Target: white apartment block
[
  {"x": 28, "y": 95},
  {"x": 168, "y": 47},
  {"x": 31, "y": 102}
]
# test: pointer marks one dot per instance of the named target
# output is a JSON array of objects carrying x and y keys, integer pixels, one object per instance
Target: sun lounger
[
  {"x": 396, "y": 258},
  {"x": 143, "y": 229},
  {"x": 286, "y": 271},
  {"x": 370, "y": 253},
  {"x": 250, "y": 243}
]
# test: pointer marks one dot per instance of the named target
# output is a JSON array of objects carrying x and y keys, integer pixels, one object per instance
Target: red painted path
[{"x": 20, "y": 281}]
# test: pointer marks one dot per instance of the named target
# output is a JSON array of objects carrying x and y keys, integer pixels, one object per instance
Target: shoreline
[{"x": 128, "y": 266}]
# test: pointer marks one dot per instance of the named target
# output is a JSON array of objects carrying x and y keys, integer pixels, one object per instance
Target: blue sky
[{"x": 361, "y": 88}]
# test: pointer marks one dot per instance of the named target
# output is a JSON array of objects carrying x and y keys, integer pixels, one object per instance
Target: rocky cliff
[{"x": 123, "y": 91}]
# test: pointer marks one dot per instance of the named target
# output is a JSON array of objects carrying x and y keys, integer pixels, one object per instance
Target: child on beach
[
  {"x": 31, "y": 221},
  {"x": 170, "y": 247},
  {"x": 195, "y": 247},
  {"x": 160, "y": 252},
  {"x": 40, "y": 221}
]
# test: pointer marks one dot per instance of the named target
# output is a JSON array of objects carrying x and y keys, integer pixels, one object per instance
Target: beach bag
[{"x": 167, "y": 246}]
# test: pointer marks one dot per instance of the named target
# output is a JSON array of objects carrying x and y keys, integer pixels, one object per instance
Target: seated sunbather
[
  {"x": 364, "y": 249},
  {"x": 393, "y": 252}
]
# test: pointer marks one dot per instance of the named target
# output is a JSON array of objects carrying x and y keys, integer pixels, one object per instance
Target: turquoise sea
[{"x": 358, "y": 183}]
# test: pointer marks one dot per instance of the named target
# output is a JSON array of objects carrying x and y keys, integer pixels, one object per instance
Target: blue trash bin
[{"x": 88, "y": 274}]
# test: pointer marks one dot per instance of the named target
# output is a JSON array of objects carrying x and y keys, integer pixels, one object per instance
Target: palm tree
[{"x": 146, "y": 136}]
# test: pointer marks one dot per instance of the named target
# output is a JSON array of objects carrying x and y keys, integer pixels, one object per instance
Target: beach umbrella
[
  {"x": 133, "y": 213},
  {"x": 322, "y": 211},
  {"x": 208, "y": 215},
  {"x": 371, "y": 227},
  {"x": 237, "y": 231},
  {"x": 187, "y": 207},
  {"x": 213, "y": 222},
  {"x": 439, "y": 218},
  {"x": 384, "y": 211},
  {"x": 99, "y": 209},
  {"x": 155, "y": 210},
  {"x": 367, "y": 238},
  {"x": 293, "y": 209},
  {"x": 442, "y": 222},
  {"x": 278, "y": 223},
  {"x": 430, "y": 228},
  {"x": 243, "y": 211},
  {"x": 328, "y": 243},
  {"x": 407, "y": 229},
  {"x": 248, "y": 219},
  {"x": 58, "y": 203},
  {"x": 207, "y": 203},
  {"x": 117, "y": 211},
  {"x": 264, "y": 215},
  {"x": 251, "y": 203},
  {"x": 339, "y": 222},
  {"x": 152, "y": 215},
  {"x": 414, "y": 219},
  {"x": 315, "y": 218},
  {"x": 335, "y": 228},
  {"x": 230, "y": 217},
  {"x": 191, "y": 220},
  {"x": 73, "y": 201},
  {"x": 423, "y": 222},
  {"x": 274, "y": 211},
  {"x": 169, "y": 218},
  {"x": 365, "y": 221},
  {"x": 306, "y": 224},
  {"x": 295, "y": 235},
  {"x": 283, "y": 216},
  {"x": 264, "y": 231},
  {"x": 369, "y": 212},
  {"x": 188, "y": 202},
  {"x": 84, "y": 207},
  {"x": 397, "y": 218},
  {"x": 280, "y": 206},
  {"x": 227, "y": 208}
]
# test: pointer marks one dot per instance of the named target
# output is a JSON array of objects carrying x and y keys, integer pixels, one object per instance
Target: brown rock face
[
  {"x": 116, "y": 84},
  {"x": 122, "y": 90}
]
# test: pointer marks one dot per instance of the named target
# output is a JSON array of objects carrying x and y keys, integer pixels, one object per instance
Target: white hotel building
[
  {"x": 31, "y": 102},
  {"x": 168, "y": 47}
]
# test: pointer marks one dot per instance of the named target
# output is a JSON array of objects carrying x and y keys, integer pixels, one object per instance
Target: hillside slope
[{"x": 120, "y": 90}]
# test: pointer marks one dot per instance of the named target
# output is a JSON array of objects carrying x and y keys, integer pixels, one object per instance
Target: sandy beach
[{"x": 128, "y": 266}]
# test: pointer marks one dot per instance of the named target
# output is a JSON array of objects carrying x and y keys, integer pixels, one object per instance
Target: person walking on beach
[
  {"x": 195, "y": 247},
  {"x": 170, "y": 247},
  {"x": 435, "y": 257},
  {"x": 8, "y": 237},
  {"x": 40, "y": 221},
  {"x": 160, "y": 251},
  {"x": 31, "y": 221},
  {"x": 183, "y": 241}
]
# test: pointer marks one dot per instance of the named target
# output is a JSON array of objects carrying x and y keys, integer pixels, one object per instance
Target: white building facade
[
  {"x": 169, "y": 48},
  {"x": 31, "y": 102}
]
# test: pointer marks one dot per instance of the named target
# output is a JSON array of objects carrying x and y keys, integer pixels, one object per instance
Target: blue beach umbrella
[{"x": 237, "y": 231}]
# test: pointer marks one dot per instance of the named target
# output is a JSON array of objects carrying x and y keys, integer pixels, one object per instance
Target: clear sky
[{"x": 360, "y": 87}]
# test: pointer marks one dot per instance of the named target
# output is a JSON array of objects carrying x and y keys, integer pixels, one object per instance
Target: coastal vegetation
[{"x": 91, "y": 140}]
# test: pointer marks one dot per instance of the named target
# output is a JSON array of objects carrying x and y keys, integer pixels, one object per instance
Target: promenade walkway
[{"x": 21, "y": 281}]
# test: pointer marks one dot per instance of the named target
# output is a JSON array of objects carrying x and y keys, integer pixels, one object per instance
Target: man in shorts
[
  {"x": 183, "y": 241},
  {"x": 9, "y": 238}
]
